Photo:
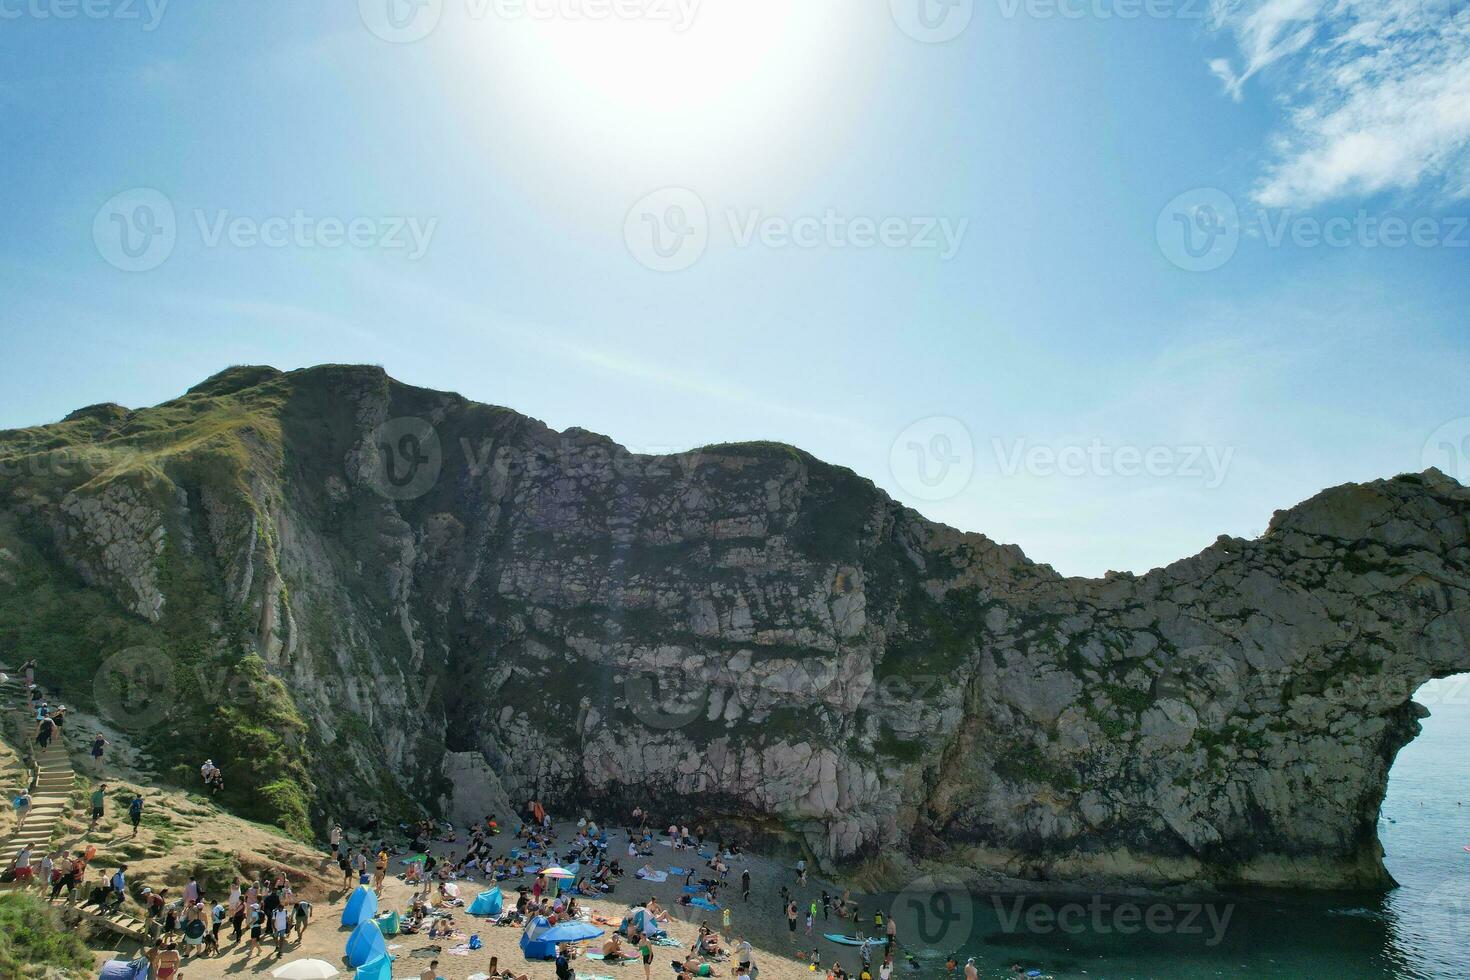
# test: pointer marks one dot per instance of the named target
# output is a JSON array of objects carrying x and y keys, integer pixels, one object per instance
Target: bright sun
[{"x": 688, "y": 86}]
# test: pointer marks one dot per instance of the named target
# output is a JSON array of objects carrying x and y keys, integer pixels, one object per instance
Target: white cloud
[{"x": 1377, "y": 94}]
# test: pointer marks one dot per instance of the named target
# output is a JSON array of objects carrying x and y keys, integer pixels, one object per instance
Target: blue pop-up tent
[
  {"x": 365, "y": 944},
  {"x": 569, "y": 932},
  {"x": 361, "y": 907},
  {"x": 488, "y": 902},
  {"x": 124, "y": 970},
  {"x": 531, "y": 943},
  {"x": 641, "y": 920},
  {"x": 379, "y": 969}
]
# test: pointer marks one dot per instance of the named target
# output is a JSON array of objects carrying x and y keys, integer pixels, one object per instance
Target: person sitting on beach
[
  {"x": 496, "y": 973},
  {"x": 612, "y": 950}
]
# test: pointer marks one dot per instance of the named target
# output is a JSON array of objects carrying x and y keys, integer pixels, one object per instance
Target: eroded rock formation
[{"x": 747, "y": 633}]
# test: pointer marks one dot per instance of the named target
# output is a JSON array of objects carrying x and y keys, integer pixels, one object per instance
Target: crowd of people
[{"x": 264, "y": 914}]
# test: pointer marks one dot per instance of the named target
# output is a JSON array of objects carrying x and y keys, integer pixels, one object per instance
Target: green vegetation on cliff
[{"x": 33, "y": 940}]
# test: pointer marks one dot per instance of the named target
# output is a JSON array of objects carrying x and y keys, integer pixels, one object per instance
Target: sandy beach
[{"x": 761, "y": 921}]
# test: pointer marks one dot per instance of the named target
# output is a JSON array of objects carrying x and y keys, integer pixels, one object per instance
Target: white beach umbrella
[{"x": 306, "y": 970}]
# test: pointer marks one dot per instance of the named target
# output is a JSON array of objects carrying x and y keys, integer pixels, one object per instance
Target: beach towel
[
  {"x": 668, "y": 941},
  {"x": 704, "y": 903},
  {"x": 678, "y": 871},
  {"x": 693, "y": 889},
  {"x": 653, "y": 876}
]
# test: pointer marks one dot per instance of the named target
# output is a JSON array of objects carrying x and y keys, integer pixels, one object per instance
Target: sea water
[{"x": 1419, "y": 930}]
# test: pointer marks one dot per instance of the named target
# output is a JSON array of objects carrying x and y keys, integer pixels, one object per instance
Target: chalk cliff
[{"x": 361, "y": 595}]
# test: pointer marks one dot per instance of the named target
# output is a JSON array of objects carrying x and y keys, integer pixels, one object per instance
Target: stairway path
[{"x": 54, "y": 782}]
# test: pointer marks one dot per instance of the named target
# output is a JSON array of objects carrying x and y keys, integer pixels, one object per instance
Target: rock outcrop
[{"x": 464, "y": 605}]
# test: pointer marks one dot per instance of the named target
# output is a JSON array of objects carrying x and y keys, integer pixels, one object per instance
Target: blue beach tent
[
  {"x": 379, "y": 969},
  {"x": 361, "y": 907},
  {"x": 531, "y": 943},
  {"x": 365, "y": 944},
  {"x": 488, "y": 902}
]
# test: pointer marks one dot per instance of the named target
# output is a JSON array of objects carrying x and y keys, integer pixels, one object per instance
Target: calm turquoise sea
[{"x": 1420, "y": 930}]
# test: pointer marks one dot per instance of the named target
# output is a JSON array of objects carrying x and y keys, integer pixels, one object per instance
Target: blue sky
[{"x": 1063, "y": 371}]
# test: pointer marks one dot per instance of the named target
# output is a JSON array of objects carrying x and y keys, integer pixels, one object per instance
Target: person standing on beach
[
  {"x": 801, "y": 871},
  {"x": 826, "y": 905},
  {"x": 745, "y": 883},
  {"x": 791, "y": 920},
  {"x": 135, "y": 812},
  {"x": 645, "y": 950},
  {"x": 380, "y": 872}
]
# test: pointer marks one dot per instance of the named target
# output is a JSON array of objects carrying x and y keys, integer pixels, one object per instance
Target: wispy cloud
[{"x": 1377, "y": 94}]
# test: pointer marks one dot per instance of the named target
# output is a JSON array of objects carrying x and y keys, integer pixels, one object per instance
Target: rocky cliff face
[{"x": 371, "y": 596}]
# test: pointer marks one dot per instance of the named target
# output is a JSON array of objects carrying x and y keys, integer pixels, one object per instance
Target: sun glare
[{"x": 684, "y": 85}]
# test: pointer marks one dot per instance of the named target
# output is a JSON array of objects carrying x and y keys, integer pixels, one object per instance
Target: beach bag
[{"x": 475, "y": 942}]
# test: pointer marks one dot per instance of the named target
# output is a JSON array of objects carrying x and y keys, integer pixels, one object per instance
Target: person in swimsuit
[
  {"x": 167, "y": 964},
  {"x": 645, "y": 950}
]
